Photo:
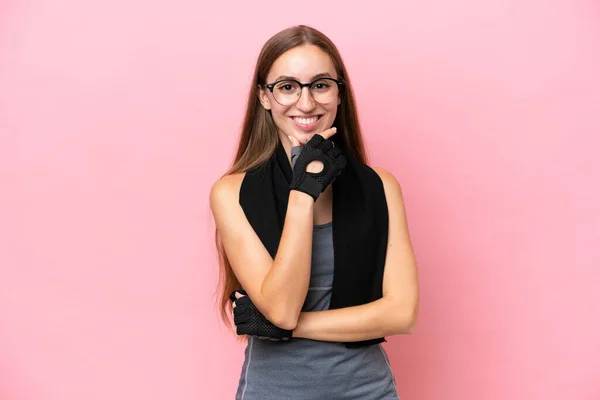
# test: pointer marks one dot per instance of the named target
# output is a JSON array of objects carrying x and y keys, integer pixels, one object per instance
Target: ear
[{"x": 263, "y": 97}]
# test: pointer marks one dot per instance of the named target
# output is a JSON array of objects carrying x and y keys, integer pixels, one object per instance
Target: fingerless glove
[
  {"x": 249, "y": 321},
  {"x": 317, "y": 149}
]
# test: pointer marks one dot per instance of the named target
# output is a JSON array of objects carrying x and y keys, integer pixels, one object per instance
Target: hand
[
  {"x": 317, "y": 165},
  {"x": 249, "y": 321},
  {"x": 313, "y": 166}
]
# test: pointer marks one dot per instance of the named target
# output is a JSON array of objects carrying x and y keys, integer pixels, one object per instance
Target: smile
[{"x": 306, "y": 123}]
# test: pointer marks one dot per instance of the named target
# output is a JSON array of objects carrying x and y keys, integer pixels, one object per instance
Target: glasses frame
[{"x": 271, "y": 86}]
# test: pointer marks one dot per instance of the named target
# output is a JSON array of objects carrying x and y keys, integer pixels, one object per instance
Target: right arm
[{"x": 277, "y": 287}]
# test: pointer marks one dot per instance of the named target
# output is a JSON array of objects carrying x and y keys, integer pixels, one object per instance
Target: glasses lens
[
  {"x": 286, "y": 92},
  {"x": 324, "y": 90}
]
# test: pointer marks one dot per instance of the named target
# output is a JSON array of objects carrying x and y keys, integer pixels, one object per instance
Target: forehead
[{"x": 302, "y": 62}]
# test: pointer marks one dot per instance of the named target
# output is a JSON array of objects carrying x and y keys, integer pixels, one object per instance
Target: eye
[
  {"x": 321, "y": 86},
  {"x": 287, "y": 87}
]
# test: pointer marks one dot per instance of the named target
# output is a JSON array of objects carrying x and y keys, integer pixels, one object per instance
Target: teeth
[{"x": 306, "y": 121}]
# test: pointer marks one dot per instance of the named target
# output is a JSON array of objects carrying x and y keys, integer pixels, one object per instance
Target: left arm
[{"x": 396, "y": 312}]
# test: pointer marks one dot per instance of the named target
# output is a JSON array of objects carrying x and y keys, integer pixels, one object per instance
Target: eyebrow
[{"x": 321, "y": 75}]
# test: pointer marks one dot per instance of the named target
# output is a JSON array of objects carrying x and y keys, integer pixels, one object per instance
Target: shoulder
[
  {"x": 226, "y": 189},
  {"x": 391, "y": 186}
]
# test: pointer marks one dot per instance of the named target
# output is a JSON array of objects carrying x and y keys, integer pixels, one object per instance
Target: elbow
[
  {"x": 283, "y": 312},
  {"x": 286, "y": 323},
  {"x": 406, "y": 320},
  {"x": 410, "y": 323},
  {"x": 284, "y": 319}
]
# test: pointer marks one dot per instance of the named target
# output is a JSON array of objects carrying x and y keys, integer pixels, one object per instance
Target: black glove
[
  {"x": 250, "y": 321},
  {"x": 317, "y": 149}
]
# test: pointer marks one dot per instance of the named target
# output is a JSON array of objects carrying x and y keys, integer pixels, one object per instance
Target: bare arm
[
  {"x": 396, "y": 312},
  {"x": 277, "y": 287},
  {"x": 267, "y": 281}
]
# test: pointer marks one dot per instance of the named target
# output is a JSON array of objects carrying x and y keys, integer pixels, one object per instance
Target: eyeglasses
[{"x": 288, "y": 91}]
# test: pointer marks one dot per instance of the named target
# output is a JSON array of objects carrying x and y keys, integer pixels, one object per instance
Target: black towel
[{"x": 360, "y": 224}]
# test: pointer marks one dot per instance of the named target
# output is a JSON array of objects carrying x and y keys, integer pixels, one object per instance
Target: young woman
[{"x": 314, "y": 246}]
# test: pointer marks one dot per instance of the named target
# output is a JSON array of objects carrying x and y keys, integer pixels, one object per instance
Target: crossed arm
[{"x": 395, "y": 313}]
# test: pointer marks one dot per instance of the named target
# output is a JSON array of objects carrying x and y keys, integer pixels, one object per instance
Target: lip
[{"x": 306, "y": 127}]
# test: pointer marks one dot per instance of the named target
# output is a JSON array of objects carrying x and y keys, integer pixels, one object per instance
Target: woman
[{"x": 317, "y": 239}]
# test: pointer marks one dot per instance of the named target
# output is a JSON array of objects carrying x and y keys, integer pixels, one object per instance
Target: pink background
[{"x": 117, "y": 116}]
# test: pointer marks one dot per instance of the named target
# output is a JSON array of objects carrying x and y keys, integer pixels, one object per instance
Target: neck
[{"x": 287, "y": 146}]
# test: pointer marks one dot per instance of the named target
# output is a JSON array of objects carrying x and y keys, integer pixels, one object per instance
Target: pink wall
[{"x": 116, "y": 117}]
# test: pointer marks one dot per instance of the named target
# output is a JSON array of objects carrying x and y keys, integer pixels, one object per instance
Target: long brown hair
[{"x": 258, "y": 139}]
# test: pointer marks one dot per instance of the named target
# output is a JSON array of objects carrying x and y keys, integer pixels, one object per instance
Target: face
[{"x": 305, "y": 117}]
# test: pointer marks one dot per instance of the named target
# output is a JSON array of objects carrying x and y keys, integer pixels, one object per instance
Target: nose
[{"x": 305, "y": 102}]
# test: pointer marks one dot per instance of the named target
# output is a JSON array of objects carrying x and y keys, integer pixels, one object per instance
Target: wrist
[{"x": 300, "y": 198}]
